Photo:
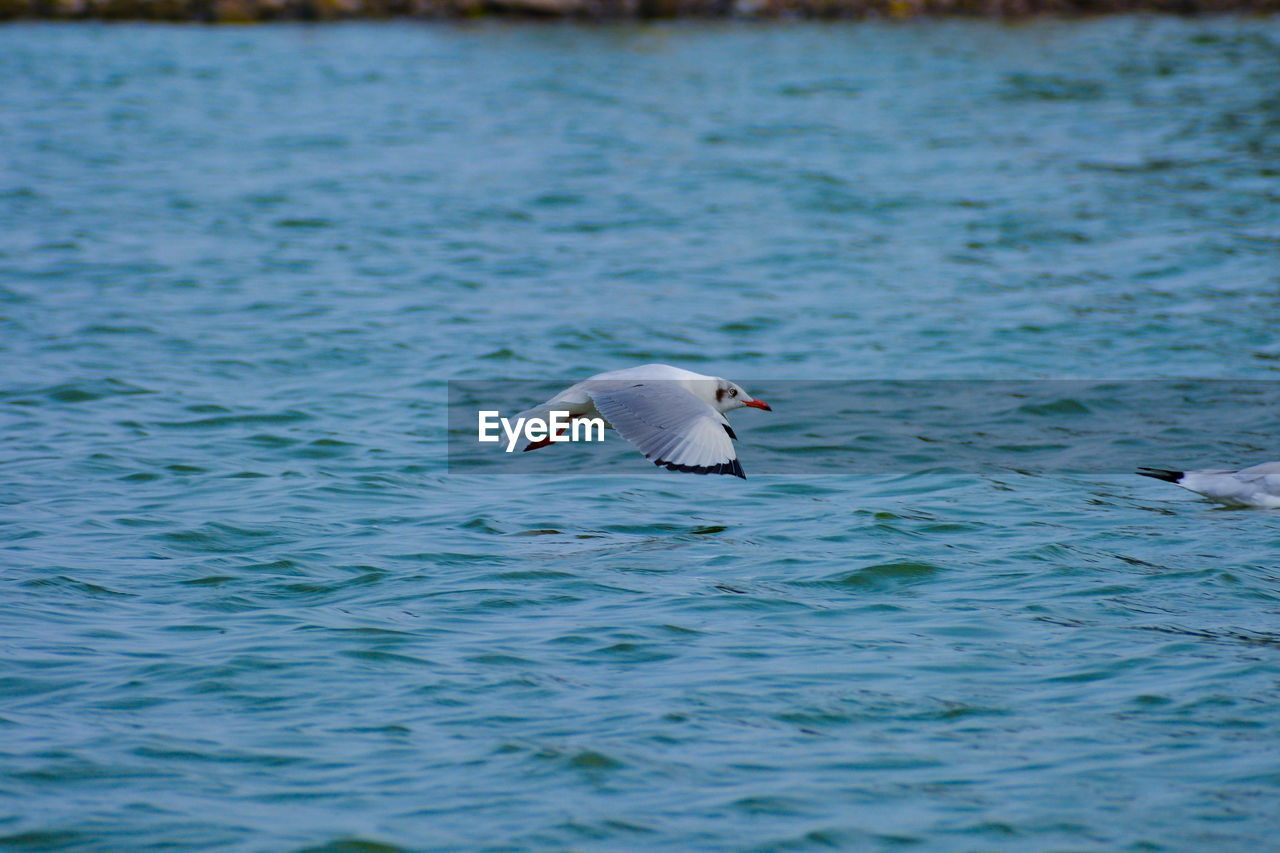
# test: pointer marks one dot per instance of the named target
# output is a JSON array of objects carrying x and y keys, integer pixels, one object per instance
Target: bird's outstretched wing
[
  {"x": 1258, "y": 485},
  {"x": 672, "y": 427}
]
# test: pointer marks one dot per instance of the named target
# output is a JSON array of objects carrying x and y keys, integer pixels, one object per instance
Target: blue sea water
[{"x": 248, "y": 605}]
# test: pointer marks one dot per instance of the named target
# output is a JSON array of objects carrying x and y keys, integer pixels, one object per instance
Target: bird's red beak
[{"x": 759, "y": 404}]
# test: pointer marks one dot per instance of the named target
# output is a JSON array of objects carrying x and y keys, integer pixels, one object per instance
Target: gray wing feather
[
  {"x": 670, "y": 426},
  {"x": 1258, "y": 485},
  {"x": 1264, "y": 472}
]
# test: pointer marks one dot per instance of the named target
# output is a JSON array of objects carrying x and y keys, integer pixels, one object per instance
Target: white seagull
[
  {"x": 1257, "y": 485},
  {"x": 674, "y": 416}
]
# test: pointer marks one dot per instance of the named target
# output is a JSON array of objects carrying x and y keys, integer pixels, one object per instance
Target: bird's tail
[{"x": 1161, "y": 474}]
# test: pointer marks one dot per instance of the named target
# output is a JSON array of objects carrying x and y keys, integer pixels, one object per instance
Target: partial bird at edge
[{"x": 1257, "y": 485}]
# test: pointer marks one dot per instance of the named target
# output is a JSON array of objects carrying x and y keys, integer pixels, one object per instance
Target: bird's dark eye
[{"x": 733, "y": 392}]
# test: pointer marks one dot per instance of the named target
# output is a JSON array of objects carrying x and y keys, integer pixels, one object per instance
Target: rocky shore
[{"x": 249, "y": 11}]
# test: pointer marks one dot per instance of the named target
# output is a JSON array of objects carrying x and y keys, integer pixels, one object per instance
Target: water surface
[{"x": 247, "y": 605}]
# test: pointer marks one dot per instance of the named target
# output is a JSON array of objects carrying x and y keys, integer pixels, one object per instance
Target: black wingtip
[
  {"x": 1161, "y": 474},
  {"x": 733, "y": 466}
]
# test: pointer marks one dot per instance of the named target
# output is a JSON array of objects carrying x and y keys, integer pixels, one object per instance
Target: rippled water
[{"x": 248, "y": 606}]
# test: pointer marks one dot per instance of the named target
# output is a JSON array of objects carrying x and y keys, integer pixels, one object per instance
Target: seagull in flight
[
  {"x": 1258, "y": 485},
  {"x": 675, "y": 417}
]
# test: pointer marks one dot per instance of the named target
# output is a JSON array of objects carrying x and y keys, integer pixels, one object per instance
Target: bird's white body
[
  {"x": 1257, "y": 485},
  {"x": 674, "y": 416}
]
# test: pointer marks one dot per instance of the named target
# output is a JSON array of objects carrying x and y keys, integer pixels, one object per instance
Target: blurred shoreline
[{"x": 253, "y": 11}]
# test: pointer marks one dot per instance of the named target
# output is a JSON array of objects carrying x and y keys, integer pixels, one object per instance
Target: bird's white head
[{"x": 730, "y": 396}]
